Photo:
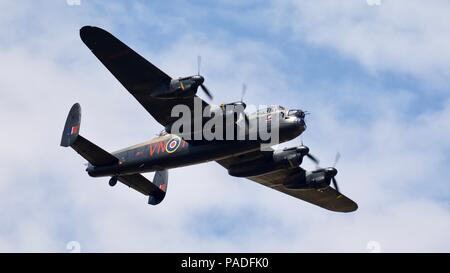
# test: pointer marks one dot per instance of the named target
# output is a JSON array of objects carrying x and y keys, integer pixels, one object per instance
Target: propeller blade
[
  {"x": 313, "y": 159},
  {"x": 199, "y": 62},
  {"x": 247, "y": 121},
  {"x": 335, "y": 184},
  {"x": 208, "y": 94},
  {"x": 336, "y": 159},
  {"x": 244, "y": 89}
]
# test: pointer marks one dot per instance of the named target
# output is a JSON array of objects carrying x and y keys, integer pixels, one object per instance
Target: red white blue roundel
[{"x": 173, "y": 144}]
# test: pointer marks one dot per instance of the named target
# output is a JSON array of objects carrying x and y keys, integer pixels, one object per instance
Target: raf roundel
[{"x": 173, "y": 144}]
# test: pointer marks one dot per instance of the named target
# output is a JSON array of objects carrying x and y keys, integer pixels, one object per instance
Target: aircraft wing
[
  {"x": 136, "y": 74},
  {"x": 327, "y": 198}
]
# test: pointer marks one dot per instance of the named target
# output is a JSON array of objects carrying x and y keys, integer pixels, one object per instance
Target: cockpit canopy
[
  {"x": 284, "y": 113},
  {"x": 270, "y": 109}
]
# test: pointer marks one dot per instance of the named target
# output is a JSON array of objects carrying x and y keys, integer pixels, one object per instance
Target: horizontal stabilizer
[
  {"x": 156, "y": 190},
  {"x": 92, "y": 153}
]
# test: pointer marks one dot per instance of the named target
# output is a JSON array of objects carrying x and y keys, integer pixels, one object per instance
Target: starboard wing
[
  {"x": 327, "y": 198},
  {"x": 135, "y": 73}
]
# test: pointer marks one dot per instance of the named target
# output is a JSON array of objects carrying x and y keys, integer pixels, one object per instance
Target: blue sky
[{"x": 375, "y": 79}]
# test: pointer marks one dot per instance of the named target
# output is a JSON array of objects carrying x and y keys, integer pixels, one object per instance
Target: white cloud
[
  {"x": 397, "y": 36},
  {"x": 386, "y": 165}
]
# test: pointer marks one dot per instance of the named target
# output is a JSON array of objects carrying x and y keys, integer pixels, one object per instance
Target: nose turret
[
  {"x": 297, "y": 113},
  {"x": 299, "y": 116}
]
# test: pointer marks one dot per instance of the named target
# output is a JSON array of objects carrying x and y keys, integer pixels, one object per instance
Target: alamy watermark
[
  {"x": 229, "y": 122},
  {"x": 73, "y": 247},
  {"x": 373, "y": 247}
]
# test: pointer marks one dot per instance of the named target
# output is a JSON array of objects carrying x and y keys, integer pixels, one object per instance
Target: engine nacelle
[
  {"x": 292, "y": 157},
  {"x": 285, "y": 158},
  {"x": 314, "y": 180},
  {"x": 180, "y": 88}
]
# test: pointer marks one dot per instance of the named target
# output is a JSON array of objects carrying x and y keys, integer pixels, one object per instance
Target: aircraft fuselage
[{"x": 171, "y": 151}]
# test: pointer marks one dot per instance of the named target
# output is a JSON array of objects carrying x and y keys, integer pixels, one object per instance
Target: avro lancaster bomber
[{"x": 158, "y": 93}]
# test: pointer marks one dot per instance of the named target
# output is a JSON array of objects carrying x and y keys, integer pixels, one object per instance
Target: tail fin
[
  {"x": 160, "y": 180},
  {"x": 71, "y": 138},
  {"x": 99, "y": 157},
  {"x": 72, "y": 127}
]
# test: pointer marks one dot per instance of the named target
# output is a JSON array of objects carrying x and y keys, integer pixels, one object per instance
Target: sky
[{"x": 373, "y": 74}]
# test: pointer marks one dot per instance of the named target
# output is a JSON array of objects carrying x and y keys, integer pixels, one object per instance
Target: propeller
[
  {"x": 313, "y": 159},
  {"x": 202, "y": 80},
  {"x": 334, "y": 172},
  {"x": 244, "y": 90},
  {"x": 207, "y": 92},
  {"x": 309, "y": 155},
  {"x": 328, "y": 171},
  {"x": 243, "y": 104},
  {"x": 336, "y": 159},
  {"x": 335, "y": 185}
]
